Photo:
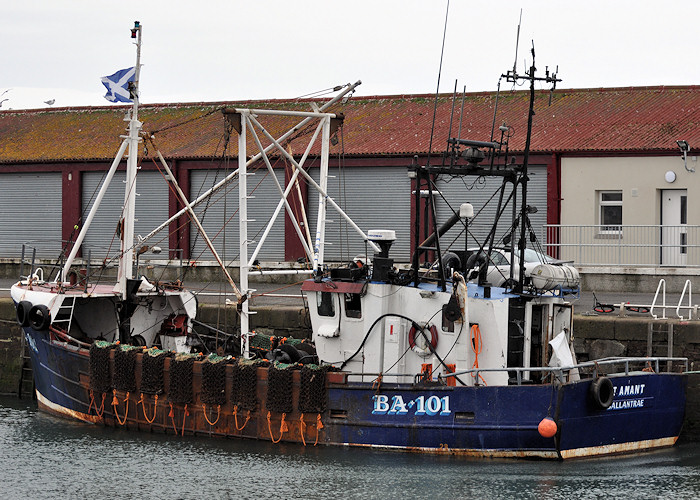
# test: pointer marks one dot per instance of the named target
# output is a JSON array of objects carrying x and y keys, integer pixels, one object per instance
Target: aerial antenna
[
  {"x": 512, "y": 75},
  {"x": 517, "y": 42},
  {"x": 437, "y": 91}
]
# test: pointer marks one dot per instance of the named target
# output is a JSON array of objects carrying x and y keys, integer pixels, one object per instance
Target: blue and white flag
[{"x": 118, "y": 85}]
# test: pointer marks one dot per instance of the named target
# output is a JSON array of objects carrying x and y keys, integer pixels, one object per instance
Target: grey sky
[{"x": 231, "y": 50}]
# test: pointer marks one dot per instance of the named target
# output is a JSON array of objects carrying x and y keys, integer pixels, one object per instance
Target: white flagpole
[{"x": 126, "y": 267}]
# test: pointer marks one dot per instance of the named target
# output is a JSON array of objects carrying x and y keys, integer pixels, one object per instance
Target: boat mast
[
  {"x": 126, "y": 224},
  {"x": 514, "y": 77}
]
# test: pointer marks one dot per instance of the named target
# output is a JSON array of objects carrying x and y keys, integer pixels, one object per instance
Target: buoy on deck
[{"x": 547, "y": 427}]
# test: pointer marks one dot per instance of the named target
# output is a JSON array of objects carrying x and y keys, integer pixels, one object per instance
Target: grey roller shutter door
[
  {"x": 31, "y": 209},
  {"x": 151, "y": 210},
  {"x": 222, "y": 212},
  {"x": 478, "y": 191},
  {"x": 374, "y": 198}
]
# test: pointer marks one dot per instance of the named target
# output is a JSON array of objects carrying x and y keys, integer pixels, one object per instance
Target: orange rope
[
  {"x": 302, "y": 428},
  {"x": 477, "y": 346},
  {"x": 377, "y": 382},
  {"x": 235, "y": 416},
  {"x": 143, "y": 408},
  {"x": 218, "y": 414},
  {"x": 115, "y": 404},
  {"x": 283, "y": 427},
  {"x": 99, "y": 411},
  {"x": 172, "y": 418},
  {"x": 319, "y": 426},
  {"x": 184, "y": 417}
]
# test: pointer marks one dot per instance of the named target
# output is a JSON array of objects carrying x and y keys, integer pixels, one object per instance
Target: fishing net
[
  {"x": 100, "y": 373},
  {"x": 312, "y": 393},
  {"x": 214, "y": 380},
  {"x": 124, "y": 376},
  {"x": 260, "y": 342},
  {"x": 181, "y": 376},
  {"x": 279, "y": 387},
  {"x": 244, "y": 389},
  {"x": 152, "y": 367}
]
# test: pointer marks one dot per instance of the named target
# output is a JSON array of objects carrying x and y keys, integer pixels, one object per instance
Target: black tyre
[
  {"x": 601, "y": 392},
  {"x": 39, "y": 317},
  {"x": 23, "y": 309}
]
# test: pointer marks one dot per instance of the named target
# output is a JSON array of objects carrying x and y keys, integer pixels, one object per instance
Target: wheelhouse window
[
  {"x": 325, "y": 304},
  {"x": 610, "y": 211},
  {"x": 353, "y": 305}
]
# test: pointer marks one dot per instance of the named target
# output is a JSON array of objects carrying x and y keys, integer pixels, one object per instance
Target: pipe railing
[{"x": 626, "y": 245}]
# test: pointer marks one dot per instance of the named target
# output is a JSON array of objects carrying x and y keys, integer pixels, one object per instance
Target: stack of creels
[
  {"x": 244, "y": 389},
  {"x": 214, "y": 380},
  {"x": 312, "y": 394},
  {"x": 124, "y": 376},
  {"x": 152, "y": 366},
  {"x": 100, "y": 372},
  {"x": 181, "y": 375},
  {"x": 279, "y": 387},
  {"x": 260, "y": 344}
]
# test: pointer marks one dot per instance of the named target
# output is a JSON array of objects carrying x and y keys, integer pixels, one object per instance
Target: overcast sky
[{"x": 228, "y": 50}]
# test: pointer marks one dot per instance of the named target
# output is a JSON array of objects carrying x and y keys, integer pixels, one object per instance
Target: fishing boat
[{"x": 427, "y": 357}]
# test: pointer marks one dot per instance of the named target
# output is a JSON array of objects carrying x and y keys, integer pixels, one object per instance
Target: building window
[{"x": 610, "y": 203}]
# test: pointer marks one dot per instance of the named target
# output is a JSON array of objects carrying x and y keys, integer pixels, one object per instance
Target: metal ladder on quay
[
  {"x": 660, "y": 340},
  {"x": 26, "y": 376}
]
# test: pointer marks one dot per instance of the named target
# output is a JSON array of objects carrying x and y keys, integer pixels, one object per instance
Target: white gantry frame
[{"x": 248, "y": 125}]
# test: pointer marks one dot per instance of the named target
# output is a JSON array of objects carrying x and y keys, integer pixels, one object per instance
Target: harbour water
[{"x": 47, "y": 457}]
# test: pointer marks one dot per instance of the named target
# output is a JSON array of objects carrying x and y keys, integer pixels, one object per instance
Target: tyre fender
[
  {"x": 39, "y": 317},
  {"x": 601, "y": 392},
  {"x": 23, "y": 308}
]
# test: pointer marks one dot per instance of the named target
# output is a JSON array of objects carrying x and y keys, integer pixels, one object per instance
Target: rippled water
[{"x": 47, "y": 457}]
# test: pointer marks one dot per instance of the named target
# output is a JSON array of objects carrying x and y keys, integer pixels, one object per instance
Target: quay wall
[
  {"x": 599, "y": 278},
  {"x": 594, "y": 336}
]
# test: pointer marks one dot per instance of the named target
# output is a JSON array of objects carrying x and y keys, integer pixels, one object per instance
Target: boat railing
[
  {"x": 595, "y": 367},
  {"x": 588, "y": 369}
]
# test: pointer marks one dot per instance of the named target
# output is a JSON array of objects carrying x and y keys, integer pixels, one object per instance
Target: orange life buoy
[{"x": 425, "y": 350}]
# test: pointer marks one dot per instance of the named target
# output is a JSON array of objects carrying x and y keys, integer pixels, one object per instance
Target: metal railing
[
  {"x": 585, "y": 370},
  {"x": 624, "y": 245}
]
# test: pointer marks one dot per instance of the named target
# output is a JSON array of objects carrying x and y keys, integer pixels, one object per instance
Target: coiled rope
[
  {"x": 218, "y": 414},
  {"x": 143, "y": 408},
  {"x": 235, "y": 417},
  {"x": 477, "y": 346},
  {"x": 283, "y": 427},
  {"x": 98, "y": 411},
  {"x": 115, "y": 404}
]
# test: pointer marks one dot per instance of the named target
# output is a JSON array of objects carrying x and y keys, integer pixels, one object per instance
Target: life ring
[
  {"x": 39, "y": 317},
  {"x": 425, "y": 350},
  {"x": 601, "y": 392},
  {"x": 23, "y": 309}
]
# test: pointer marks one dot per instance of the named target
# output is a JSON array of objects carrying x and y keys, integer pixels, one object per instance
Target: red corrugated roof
[{"x": 632, "y": 119}]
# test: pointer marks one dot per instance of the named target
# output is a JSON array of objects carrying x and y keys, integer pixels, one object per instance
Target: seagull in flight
[{"x": 6, "y": 99}]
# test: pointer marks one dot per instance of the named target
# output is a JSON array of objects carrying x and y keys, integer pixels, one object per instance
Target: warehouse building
[{"x": 601, "y": 160}]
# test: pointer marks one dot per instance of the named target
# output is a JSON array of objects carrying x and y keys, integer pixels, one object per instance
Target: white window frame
[{"x": 609, "y": 228}]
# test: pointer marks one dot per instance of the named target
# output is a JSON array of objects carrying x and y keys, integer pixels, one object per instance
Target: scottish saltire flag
[{"x": 118, "y": 85}]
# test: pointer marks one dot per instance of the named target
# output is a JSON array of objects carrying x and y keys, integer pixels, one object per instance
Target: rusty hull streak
[
  {"x": 462, "y": 452},
  {"x": 612, "y": 449},
  {"x": 60, "y": 411}
]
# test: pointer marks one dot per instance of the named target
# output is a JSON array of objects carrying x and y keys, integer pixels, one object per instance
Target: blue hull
[
  {"x": 503, "y": 421},
  {"x": 647, "y": 412}
]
